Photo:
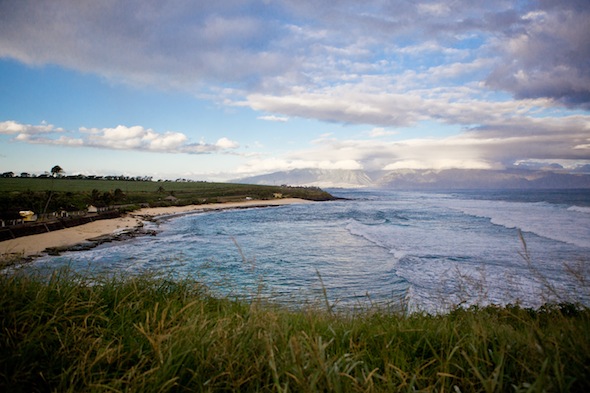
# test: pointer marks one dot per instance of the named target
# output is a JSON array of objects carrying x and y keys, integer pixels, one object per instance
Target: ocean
[{"x": 422, "y": 251}]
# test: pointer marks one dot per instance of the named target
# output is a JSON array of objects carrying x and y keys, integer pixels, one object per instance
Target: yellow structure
[{"x": 28, "y": 215}]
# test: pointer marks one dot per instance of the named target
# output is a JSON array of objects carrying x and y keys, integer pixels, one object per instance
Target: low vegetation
[
  {"x": 53, "y": 194},
  {"x": 70, "y": 333}
]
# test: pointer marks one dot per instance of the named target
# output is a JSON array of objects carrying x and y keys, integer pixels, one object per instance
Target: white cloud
[
  {"x": 491, "y": 147},
  {"x": 117, "y": 138},
  {"x": 258, "y": 166},
  {"x": 380, "y": 131},
  {"x": 434, "y": 8},
  {"x": 225, "y": 143},
  {"x": 281, "y": 119},
  {"x": 11, "y": 127},
  {"x": 348, "y": 105},
  {"x": 167, "y": 142},
  {"x": 443, "y": 163},
  {"x": 368, "y": 104},
  {"x": 134, "y": 137}
]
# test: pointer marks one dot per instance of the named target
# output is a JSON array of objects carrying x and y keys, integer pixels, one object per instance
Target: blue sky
[{"x": 219, "y": 91}]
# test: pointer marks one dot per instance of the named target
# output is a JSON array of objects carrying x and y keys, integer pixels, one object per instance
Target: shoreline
[{"x": 92, "y": 234}]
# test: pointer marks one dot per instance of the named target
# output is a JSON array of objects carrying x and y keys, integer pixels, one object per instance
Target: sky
[{"x": 218, "y": 90}]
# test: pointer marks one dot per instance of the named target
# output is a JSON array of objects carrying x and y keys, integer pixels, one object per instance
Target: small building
[
  {"x": 28, "y": 216},
  {"x": 277, "y": 195},
  {"x": 171, "y": 198},
  {"x": 92, "y": 209}
]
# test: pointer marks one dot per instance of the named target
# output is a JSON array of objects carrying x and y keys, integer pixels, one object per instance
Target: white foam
[
  {"x": 436, "y": 286},
  {"x": 543, "y": 219},
  {"x": 580, "y": 209},
  {"x": 373, "y": 233},
  {"x": 445, "y": 249}
]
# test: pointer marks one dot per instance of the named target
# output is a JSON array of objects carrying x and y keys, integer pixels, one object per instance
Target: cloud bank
[
  {"x": 549, "y": 55},
  {"x": 494, "y": 146},
  {"x": 274, "y": 46},
  {"x": 513, "y": 77},
  {"x": 119, "y": 138}
]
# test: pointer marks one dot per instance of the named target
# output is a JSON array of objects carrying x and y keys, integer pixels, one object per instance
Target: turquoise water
[{"x": 429, "y": 250}]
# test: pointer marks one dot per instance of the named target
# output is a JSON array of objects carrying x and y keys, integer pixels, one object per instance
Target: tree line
[
  {"x": 78, "y": 177},
  {"x": 60, "y": 174}
]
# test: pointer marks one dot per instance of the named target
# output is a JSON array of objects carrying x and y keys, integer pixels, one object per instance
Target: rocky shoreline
[
  {"x": 119, "y": 228},
  {"x": 91, "y": 243}
]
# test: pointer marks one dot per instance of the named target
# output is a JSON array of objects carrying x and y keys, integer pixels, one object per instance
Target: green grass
[
  {"x": 147, "y": 334},
  {"x": 16, "y": 184},
  {"x": 53, "y": 194}
]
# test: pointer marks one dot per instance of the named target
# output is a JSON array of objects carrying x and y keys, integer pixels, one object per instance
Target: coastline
[{"x": 90, "y": 235}]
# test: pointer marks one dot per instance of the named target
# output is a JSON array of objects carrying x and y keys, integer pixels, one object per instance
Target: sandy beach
[{"x": 32, "y": 245}]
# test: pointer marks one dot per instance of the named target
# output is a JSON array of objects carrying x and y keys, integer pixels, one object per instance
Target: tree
[
  {"x": 118, "y": 195},
  {"x": 94, "y": 196},
  {"x": 56, "y": 171}
]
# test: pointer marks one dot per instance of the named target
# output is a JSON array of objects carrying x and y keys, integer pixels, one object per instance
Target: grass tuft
[{"x": 70, "y": 333}]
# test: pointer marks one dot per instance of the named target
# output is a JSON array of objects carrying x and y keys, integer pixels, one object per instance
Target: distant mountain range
[{"x": 424, "y": 179}]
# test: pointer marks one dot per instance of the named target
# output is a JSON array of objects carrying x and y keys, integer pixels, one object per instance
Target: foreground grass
[{"x": 148, "y": 334}]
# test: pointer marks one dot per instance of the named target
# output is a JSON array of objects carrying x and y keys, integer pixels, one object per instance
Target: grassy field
[
  {"x": 52, "y": 194},
  {"x": 149, "y": 334},
  {"x": 16, "y": 184}
]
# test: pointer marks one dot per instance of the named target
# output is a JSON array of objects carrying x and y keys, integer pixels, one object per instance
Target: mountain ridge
[{"x": 514, "y": 178}]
